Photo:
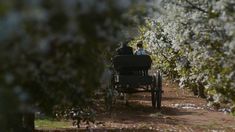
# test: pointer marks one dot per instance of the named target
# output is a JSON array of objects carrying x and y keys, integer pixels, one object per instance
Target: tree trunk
[
  {"x": 201, "y": 91},
  {"x": 28, "y": 122},
  {"x": 195, "y": 91}
]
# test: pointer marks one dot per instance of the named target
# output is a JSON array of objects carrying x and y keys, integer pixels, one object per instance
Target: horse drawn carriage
[{"x": 131, "y": 75}]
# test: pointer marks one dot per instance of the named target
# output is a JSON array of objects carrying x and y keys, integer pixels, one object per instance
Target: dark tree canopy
[{"x": 53, "y": 53}]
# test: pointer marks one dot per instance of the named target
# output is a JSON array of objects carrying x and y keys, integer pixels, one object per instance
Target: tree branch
[{"x": 195, "y": 7}]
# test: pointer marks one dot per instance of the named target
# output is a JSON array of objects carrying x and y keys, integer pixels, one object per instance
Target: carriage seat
[{"x": 132, "y": 64}]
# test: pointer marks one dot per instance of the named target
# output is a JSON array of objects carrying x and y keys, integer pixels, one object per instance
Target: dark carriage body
[
  {"x": 132, "y": 71},
  {"x": 131, "y": 74}
]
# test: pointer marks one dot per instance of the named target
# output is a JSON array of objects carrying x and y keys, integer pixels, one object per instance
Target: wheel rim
[{"x": 159, "y": 93}]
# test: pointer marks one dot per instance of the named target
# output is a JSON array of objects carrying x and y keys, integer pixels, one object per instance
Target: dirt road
[{"x": 181, "y": 111}]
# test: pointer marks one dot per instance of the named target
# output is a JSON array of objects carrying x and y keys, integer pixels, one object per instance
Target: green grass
[{"x": 49, "y": 124}]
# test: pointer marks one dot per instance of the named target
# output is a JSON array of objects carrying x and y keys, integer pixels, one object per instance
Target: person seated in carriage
[
  {"x": 124, "y": 49},
  {"x": 140, "y": 49}
]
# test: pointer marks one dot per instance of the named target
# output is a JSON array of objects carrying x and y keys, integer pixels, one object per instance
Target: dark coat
[{"x": 125, "y": 50}]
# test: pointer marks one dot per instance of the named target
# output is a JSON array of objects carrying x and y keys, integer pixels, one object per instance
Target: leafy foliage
[{"x": 194, "y": 42}]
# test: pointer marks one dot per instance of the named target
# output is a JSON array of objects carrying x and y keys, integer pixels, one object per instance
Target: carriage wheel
[
  {"x": 159, "y": 89},
  {"x": 154, "y": 93}
]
